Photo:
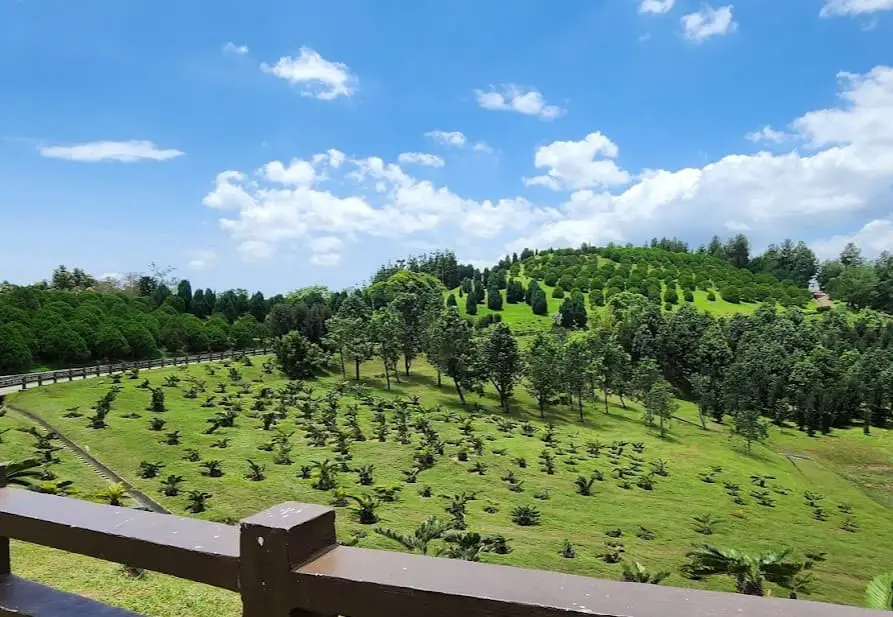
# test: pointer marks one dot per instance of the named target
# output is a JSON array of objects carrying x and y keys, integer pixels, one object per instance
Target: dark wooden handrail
[
  {"x": 285, "y": 561},
  {"x": 42, "y": 377}
]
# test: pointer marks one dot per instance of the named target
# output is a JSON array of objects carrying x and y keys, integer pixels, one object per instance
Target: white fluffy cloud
[
  {"x": 873, "y": 238},
  {"x": 454, "y": 139},
  {"x": 835, "y": 8},
  {"x": 232, "y": 48},
  {"x": 834, "y": 171},
  {"x": 420, "y": 158},
  {"x": 846, "y": 174},
  {"x": 657, "y": 7},
  {"x": 318, "y": 77},
  {"x": 578, "y": 164},
  {"x": 708, "y": 22},
  {"x": 767, "y": 134},
  {"x": 121, "y": 151},
  {"x": 515, "y": 98}
]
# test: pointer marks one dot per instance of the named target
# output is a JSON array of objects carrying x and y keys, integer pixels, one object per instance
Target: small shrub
[
  {"x": 705, "y": 523},
  {"x": 614, "y": 533},
  {"x": 149, "y": 470},
  {"x": 584, "y": 485},
  {"x": 192, "y": 455},
  {"x": 425, "y": 491},
  {"x": 305, "y": 471},
  {"x": 364, "y": 475},
  {"x": 542, "y": 495},
  {"x": 645, "y": 534},
  {"x": 387, "y": 493},
  {"x": 567, "y": 550},
  {"x": 526, "y": 516},
  {"x": 479, "y": 468}
]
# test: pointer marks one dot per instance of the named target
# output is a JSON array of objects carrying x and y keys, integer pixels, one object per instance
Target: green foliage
[{"x": 298, "y": 357}]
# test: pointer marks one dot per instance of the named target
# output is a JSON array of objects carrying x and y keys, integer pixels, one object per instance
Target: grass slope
[
  {"x": 853, "y": 558},
  {"x": 520, "y": 316}
]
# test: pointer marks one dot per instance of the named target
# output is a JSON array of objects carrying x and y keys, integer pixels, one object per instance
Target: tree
[
  {"x": 501, "y": 361},
  {"x": 109, "y": 343},
  {"x": 349, "y": 331},
  {"x": 257, "y": 306},
  {"x": 748, "y": 425},
  {"x": 573, "y": 311},
  {"x": 494, "y": 298},
  {"x": 386, "y": 329},
  {"x": 577, "y": 369},
  {"x": 451, "y": 350},
  {"x": 184, "y": 292},
  {"x": 612, "y": 364},
  {"x": 542, "y": 372},
  {"x": 750, "y": 570},
  {"x": 15, "y": 356},
  {"x": 539, "y": 304},
  {"x": 471, "y": 304},
  {"x": 857, "y": 284},
  {"x": 451, "y": 299},
  {"x": 139, "y": 339},
  {"x": 851, "y": 255},
  {"x": 247, "y": 331},
  {"x": 737, "y": 251},
  {"x": 298, "y": 357},
  {"x": 659, "y": 402}
]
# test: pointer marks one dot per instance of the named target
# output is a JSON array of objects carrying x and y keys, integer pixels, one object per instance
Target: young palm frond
[
  {"x": 430, "y": 529},
  {"x": 113, "y": 494},
  {"x": 750, "y": 570},
  {"x": 637, "y": 573},
  {"x": 879, "y": 593},
  {"x": 366, "y": 508}
]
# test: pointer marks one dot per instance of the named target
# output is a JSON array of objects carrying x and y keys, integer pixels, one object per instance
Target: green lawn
[{"x": 853, "y": 558}]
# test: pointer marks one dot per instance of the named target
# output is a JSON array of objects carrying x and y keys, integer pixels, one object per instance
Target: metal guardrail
[
  {"x": 286, "y": 562},
  {"x": 24, "y": 379}
]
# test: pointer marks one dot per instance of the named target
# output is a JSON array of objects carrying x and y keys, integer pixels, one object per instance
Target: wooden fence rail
[
  {"x": 24, "y": 379},
  {"x": 286, "y": 562}
]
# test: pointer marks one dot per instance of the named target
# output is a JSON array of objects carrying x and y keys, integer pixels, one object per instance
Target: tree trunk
[
  {"x": 459, "y": 391},
  {"x": 406, "y": 363},
  {"x": 622, "y": 402},
  {"x": 701, "y": 416},
  {"x": 343, "y": 370},
  {"x": 542, "y": 408},
  {"x": 580, "y": 406},
  {"x": 387, "y": 375},
  {"x": 439, "y": 382},
  {"x": 357, "y": 368},
  {"x": 396, "y": 373},
  {"x": 606, "y": 401}
]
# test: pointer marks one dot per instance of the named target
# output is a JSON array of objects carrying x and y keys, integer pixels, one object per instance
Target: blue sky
[{"x": 278, "y": 144}]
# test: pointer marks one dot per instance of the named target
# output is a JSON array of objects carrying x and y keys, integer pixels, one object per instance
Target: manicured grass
[{"x": 853, "y": 558}]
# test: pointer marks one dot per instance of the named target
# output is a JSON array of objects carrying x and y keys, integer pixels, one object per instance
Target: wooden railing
[
  {"x": 286, "y": 562},
  {"x": 25, "y": 379}
]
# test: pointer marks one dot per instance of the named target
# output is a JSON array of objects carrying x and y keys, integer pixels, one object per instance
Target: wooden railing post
[
  {"x": 5, "y": 565},
  {"x": 272, "y": 544}
]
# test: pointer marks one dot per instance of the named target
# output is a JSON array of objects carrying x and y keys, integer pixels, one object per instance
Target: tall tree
[
  {"x": 386, "y": 330},
  {"x": 184, "y": 292},
  {"x": 542, "y": 362},
  {"x": 501, "y": 361},
  {"x": 349, "y": 331},
  {"x": 577, "y": 368},
  {"x": 452, "y": 350},
  {"x": 659, "y": 403}
]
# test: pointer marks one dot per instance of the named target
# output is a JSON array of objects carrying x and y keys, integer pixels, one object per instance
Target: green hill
[{"x": 672, "y": 279}]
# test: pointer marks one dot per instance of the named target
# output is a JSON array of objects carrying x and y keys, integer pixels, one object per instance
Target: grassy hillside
[
  {"x": 698, "y": 463},
  {"x": 714, "y": 286}
]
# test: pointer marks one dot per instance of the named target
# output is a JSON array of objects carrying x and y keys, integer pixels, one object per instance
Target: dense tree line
[
  {"x": 442, "y": 265},
  {"x": 73, "y": 319},
  {"x": 860, "y": 282}
]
